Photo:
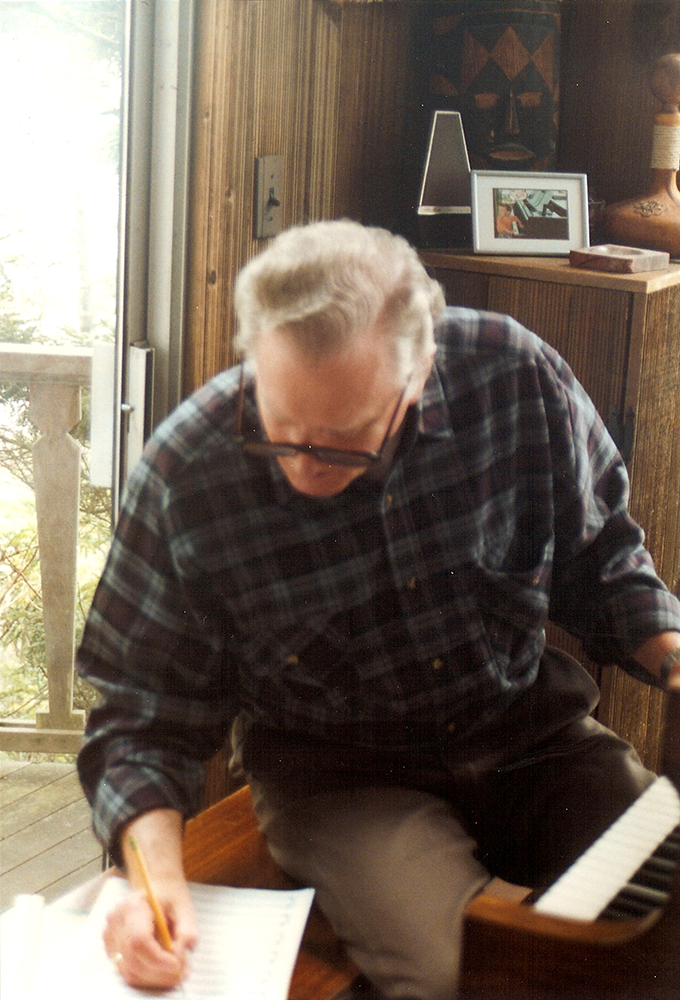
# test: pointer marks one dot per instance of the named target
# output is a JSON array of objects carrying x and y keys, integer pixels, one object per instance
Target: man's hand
[
  {"x": 653, "y": 652},
  {"x": 130, "y": 935}
]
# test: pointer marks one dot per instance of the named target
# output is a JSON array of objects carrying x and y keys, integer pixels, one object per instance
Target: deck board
[
  {"x": 37, "y": 803},
  {"x": 46, "y": 842}
]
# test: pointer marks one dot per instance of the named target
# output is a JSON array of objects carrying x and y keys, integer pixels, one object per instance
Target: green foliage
[{"x": 21, "y": 633}]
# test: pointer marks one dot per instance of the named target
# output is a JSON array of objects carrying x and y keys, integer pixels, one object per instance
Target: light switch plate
[{"x": 268, "y": 193}]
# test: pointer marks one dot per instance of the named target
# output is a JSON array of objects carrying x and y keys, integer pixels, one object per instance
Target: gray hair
[{"x": 328, "y": 282}]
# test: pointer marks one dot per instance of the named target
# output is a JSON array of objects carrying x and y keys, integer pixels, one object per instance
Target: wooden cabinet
[{"x": 621, "y": 336}]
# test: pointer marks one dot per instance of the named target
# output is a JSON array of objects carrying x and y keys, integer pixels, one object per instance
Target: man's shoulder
[
  {"x": 483, "y": 338},
  {"x": 196, "y": 433},
  {"x": 469, "y": 332}
]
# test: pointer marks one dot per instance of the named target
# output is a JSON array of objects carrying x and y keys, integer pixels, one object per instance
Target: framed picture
[{"x": 528, "y": 213}]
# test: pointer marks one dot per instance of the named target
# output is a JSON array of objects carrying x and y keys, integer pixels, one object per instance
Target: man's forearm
[{"x": 158, "y": 834}]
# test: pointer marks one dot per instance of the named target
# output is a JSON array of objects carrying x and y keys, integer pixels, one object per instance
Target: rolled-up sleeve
[{"x": 605, "y": 589}]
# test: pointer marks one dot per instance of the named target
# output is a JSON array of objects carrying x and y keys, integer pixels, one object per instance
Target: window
[{"x": 61, "y": 119}]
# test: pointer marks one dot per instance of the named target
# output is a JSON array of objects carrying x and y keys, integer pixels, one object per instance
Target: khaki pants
[{"x": 397, "y": 840}]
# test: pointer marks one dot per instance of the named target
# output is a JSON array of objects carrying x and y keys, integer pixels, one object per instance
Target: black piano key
[
  {"x": 656, "y": 873},
  {"x": 619, "y": 910},
  {"x": 644, "y": 896},
  {"x": 650, "y": 886}
]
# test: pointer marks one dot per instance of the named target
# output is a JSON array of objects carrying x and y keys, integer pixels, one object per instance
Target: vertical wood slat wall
[
  {"x": 636, "y": 712},
  {"x": 607, "y": 108},
  {"x": 323, "y": 85}
]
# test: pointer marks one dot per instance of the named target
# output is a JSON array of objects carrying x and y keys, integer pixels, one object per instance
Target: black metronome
[{"x": 444, "y": 214}]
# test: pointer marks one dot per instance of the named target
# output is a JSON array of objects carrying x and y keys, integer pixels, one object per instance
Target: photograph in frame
[{"x": 529, "y": 213}]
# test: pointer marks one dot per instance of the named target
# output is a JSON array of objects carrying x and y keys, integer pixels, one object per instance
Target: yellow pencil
[{"x": 162, "y": 929}]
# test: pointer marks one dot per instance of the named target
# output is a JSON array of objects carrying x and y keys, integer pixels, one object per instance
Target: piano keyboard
[{"x": 628, "y": 870}]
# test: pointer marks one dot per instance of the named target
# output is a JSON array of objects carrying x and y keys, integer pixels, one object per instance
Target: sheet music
[{"x": 249, "y": 940}]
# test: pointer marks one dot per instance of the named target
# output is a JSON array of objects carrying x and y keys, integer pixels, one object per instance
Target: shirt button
[
  {"x": 292, "y": 660},
  {"x": 412, "y": 583},
  {"x": 388, "y": 501},
  {"x": 451, "y": 728},
  {"x": 437, "y": 663}
]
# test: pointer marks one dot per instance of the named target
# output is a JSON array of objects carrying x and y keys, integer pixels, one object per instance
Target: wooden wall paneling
[
  {"x": 631, "y": 708},
  {"x": 234, "y": 35},
  {"x": 353, "y": 93},
  {"x": 374, "y": 89},
  {"x": 655, "y": 465},
  {"x": 321, "y": 84},
  {"x": 223, "y": 31},
  {"x": 323, "y": 108},
  {"x": 198, "y": 267},
  {"x": 606, "y": 106},
  {"x": 634, "y": 711},
  {"x": 599, "y": 361},
  {"x": 463, "y": 287},
  {"x": 252, "y": 86}
]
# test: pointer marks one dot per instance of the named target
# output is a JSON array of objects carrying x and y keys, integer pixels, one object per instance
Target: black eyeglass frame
[{"x": 327, "y": 456}]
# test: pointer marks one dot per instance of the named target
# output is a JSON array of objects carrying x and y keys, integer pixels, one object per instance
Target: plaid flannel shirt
[{"x": 416, "y": 600}]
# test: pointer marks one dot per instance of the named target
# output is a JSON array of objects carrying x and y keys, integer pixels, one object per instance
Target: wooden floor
[{"x": 46, "y": 842}]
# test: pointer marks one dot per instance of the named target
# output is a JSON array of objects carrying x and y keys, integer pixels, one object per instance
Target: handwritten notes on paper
[{"x": 249, "y": 940}]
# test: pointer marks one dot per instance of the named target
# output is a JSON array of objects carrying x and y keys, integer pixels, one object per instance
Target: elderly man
[{"x": 346, "y": 551}]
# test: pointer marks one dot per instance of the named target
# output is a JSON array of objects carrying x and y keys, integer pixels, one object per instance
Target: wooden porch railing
[{"x": 55, "y": 376}]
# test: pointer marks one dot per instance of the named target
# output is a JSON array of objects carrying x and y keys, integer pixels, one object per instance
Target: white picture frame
[{"x": 529, "y": 213}]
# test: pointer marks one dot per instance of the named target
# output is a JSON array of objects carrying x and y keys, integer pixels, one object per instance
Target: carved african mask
[{"x": 500, "y": 68}]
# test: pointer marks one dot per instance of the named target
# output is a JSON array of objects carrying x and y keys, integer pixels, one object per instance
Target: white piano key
[{"x": 594, "y": 879}]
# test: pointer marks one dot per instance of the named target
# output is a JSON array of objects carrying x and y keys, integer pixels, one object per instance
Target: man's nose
[
  {"x": 510, "y": 119},
  {"x": 306, "y": 463}
]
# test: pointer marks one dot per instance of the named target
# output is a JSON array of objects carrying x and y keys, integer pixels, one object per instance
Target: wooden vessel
[{"x": 652, "y": 220}]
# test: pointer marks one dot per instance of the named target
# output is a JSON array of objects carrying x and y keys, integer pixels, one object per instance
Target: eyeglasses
[{"x": 329, "y": 456}]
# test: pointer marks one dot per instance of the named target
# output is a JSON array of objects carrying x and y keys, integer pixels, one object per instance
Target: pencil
[{"x": 159, "y": 917}]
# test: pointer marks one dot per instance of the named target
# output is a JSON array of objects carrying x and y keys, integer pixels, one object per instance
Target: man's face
[{"x": 345, "y": 401}]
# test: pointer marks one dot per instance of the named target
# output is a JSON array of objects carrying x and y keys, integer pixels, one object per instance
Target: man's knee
[{"x": 393, "y": 871}]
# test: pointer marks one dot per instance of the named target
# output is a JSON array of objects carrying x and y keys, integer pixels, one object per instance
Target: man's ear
[{"x": 420, "y": 375}]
